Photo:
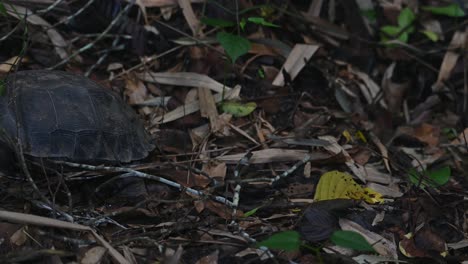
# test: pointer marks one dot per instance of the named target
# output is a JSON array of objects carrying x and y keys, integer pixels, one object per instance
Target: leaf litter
[{"x": 335, "y": 134}]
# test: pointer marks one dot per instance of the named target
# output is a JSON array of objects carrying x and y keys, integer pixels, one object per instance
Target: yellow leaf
[
  {"x": 238, "y": 109},
  {"x": 340, "y": 185},
  {"x": 371, "y": 196},
  {"x": 361, "y": 136},
  {"x": 347, "y": 135}
]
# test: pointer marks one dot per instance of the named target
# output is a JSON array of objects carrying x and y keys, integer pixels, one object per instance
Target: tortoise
[{"x": 61, "y": 115}]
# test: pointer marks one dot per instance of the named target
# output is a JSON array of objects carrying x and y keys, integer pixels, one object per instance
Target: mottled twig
[
  {"x": 244, "y": 162},
  {"x": 292, "y": 169},
  {"x": 134, "y": 173}
]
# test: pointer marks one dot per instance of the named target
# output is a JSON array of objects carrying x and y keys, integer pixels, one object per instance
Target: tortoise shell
[{"x": 57, "y": 114}]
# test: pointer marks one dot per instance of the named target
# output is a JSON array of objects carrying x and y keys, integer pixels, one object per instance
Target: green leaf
[
  {"x": 350, "y": 239},
  {"x": 436, "y": 178},
  {"x": 234, "y": 45},
  {"x": 261, "y": 21},
  {"x": 430, "y": 35},
  {"x": 287, "y": 240},
  {"x": 393, "y": 31},
  {"x": 242, "y": 23},
  {"x": 450, "y": 132},
  {"x": 216, "y": 22},
  {"x": 440, "y": 176},
  {"x": 251, "y": 212},
  {"x": 390, "y": 30},
  {"x": 261, "y": 73},
  {"x": 406, "y": 18},
  {"x": 238, "y": 109},
  {"x": 452, "y": 10}
]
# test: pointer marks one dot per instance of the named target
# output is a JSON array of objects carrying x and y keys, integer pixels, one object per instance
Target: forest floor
[{"x": 285, "y": 131}]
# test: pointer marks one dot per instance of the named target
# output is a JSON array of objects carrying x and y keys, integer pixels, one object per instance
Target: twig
[
  {"x": 92, "y": 43},
  {"x": 134, "y": 173},
  {"x": 244, "y": 162},
  {"x": 77, "y": 13},
  {"x": 292, "y": 169},
  {"x": 103, "y": 56},
  {"x": 147, "y": 60},
  {"x": 49, "y": 8}
]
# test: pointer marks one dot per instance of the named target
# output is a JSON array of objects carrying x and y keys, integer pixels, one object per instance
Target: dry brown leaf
[
  {"x": 190, "y": 17},
  {"x": 274, "y": 155},
  {"x": 374, "y": 175},
  {"x": 187, "y": 109},
  {"x": 191, "y": 96},
  {"x": 383, "y": 150},
  {"x": 215, "y": 169},
  {"x": 263, "y": 50},
  {"x": 243, "y": 133},
  {"x": 173, "y": 257},
  {"x": 394, "y": 92},
  {"x": 208, "y": 108},
  {"x": 6, "y": 66},
  {"x": 295, "y": 189},
  {"x": 369, "y": 89},
  {"x": 184, "y": 79},
  {"x": 223, "y": 233},
  {"x": 20, "y": 13},
  {"x": 386, "y": 191},
  {"x": 296, "y": 60},
  {"x": 253, "y": 251},
  {"x": 199, "y": 206},
  {"x": 427, "y": 133},
  {"x": 129, "y": 255},
  {"x": 19, "y": 237},
  {"x": 210, "y": 259},
  {"x": 357, "y": 169},
  {"x": 302, "y": 200},
  {"x": 198, "y": 134},
  {"x": 459, "y": 41},
  {"x": 314, "y": 8},
  {"x": 44, "y": 221},
  {"x": 135, "y": 90},
  {"x": 222, "y": 210},
  {"x": 94, "y": 255}
]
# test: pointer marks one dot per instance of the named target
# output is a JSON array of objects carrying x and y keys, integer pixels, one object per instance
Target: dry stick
[
  {"x": 292, "y": 169},
  {"x": 77, "y": 13},
  {"x": 251, "y": 240},
  {"x": 236, "y": 198},
  {"x": 30, "y": 219},
  {"x": 190, "y": 37},
  {"x": 49, "y": 8},
  {"x": 90, "y": 45},
  {"x": 103, "y": 57},
  {"x": 75, "y": 39},
  {"x": 148, "y": 60},
  {"x": 11, "y": 32},
  {"x": 134, "y": 173},
  {"x": 242, "y": 162}
]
